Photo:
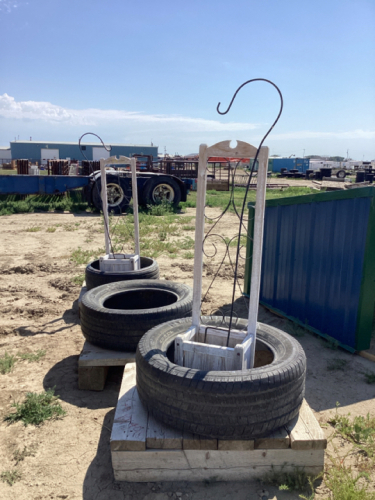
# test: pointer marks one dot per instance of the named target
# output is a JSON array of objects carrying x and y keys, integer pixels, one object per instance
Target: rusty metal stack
[
  {"x": 88, "y": 167},
  {"x": 22, "y": 167},
  {"x": 58, "y": 167}
]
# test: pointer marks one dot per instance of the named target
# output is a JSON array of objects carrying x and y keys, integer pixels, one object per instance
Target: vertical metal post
[
  {"x": 133, "y": 165},
  {"x": 199, "y": 234},
  {"x": 104, "y": 204},
  {"x": 257, "y": 248}
]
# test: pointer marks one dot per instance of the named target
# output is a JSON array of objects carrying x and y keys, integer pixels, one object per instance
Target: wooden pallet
[
  {"x": 93, "y": 365},
  {"x": 144, "y": 450}
]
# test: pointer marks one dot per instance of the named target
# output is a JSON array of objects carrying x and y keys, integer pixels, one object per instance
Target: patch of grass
[
  {"x": 34, "y": 229},
  {"x": 297, "y": 480},
  {"x": 163, "y": 208},
  {"x": 80, "y": 256},
  {"x": 337, "y": 364},
  {"x": 73, "y": 201},
  {"x": 359, "y": 430},
  {"x": 32, "y": 357},
  {"x": 6, "y": 363},
  {"x": 19, "y": 456},
  {"x": 79, "y": 279},
  {"x": 345, "y": 486},
  {"x": 330, "y": 344},
  {"x": 188, "y": 255},
  {"x": 37, "y": 408},
  {"x": 10, "y": 476},
  {"x": 369, "y": 377},
  {"x": 295, "y": 330},
  {"x": 188, "y": 228},
  {"x": 51, "y": 229}
]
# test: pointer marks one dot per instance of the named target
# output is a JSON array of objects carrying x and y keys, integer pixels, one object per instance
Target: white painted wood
[
  {"x": 260, "y": 205},
  {"x": 133, "y": 165},
  {"x": 241, "y": 150},
  {"x": 92, "y": 355},
  {"x": 105, "y": 204},
  {"x": 199, "y": 234},
  {"x": 202, "y": 356},
  {"x": 130, "y": 421},
  {"x": 161, "y": 436},
  {"x": 219, "y": 337},
  {"x": 178, "y": 345}
]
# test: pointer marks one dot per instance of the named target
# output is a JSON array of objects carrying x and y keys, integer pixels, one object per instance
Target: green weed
[
  {"x": 344, "y": 486},
  {"x": 330, "y": 343},
  {"x": 34, "y": 229},
  {"x": 188, "y": 255},
  {"x": 188, "y": 228},
  {"x": 37, "y": 408},
  {"x": 32, "y": 357},
  {"x": 19, "y": 456},
  {"x": 337, "y": 364},
  {"x": 80, "y": 256},
  {"x": 51, "y": 229},
  {"x": 369, "y": 377},
  {"x": 10, "y": 476},
  {"x": 79, "y": 279},
  {"x": 296, "y": 480},
  {"x": 6, "y": 363}
]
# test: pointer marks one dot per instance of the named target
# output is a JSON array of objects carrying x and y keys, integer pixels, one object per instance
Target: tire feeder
[
  {"x": 203, "y": 367},
  {"x": 116, "y": 315},
  {"x": 118, "y": 266}
]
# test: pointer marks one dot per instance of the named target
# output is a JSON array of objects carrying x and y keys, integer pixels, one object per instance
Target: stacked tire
[{"x": 117, "y": 315}]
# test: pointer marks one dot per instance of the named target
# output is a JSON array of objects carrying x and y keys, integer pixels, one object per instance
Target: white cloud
[
  {"x": 48, "y": 112},
  {"x": 8, "y": 5},
  {"x": 306, "y": 134}
]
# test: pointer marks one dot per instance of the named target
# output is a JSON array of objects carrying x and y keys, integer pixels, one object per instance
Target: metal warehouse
[{"x": 42, "y": 151}]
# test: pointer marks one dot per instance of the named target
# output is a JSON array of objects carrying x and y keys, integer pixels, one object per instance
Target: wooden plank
[
  {"x": 210, "y": 475},
  {"x": 160, "y": 436},
  {"x": 93, "y": 355},
  {"x": 235, "y": 445},
  {"x": 216, "y": 461},
  {"x": 367, "y": 355},
  {"x": 305, "y": 432},
  {"x": 275, "y": 441},
  {"x": 195, "y": 442},
  {"x": 130, "y": 422},
  {"x": 92, "y": 378}
]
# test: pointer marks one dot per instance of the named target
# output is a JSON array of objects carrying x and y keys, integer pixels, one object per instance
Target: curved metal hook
[
  {"x": 240, "y": 87},
  {"x": 100, "y": 139}
]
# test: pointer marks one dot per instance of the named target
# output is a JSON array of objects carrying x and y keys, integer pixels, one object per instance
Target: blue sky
[{"x": 136, "y": 72}]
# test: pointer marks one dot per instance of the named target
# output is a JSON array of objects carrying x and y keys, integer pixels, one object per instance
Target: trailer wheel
[
  {"x": 341, "y": 174},
  {"x": 116, "y": 315},
  {"x": 159, "y": 189},
  {"x": 95, "y": 277},
  {"x": 118, "y": 194},
  {"x": 241, "y": 404}
]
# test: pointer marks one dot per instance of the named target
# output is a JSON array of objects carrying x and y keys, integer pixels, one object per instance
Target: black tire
[
  {"x": 161, "y": 188},
  {"x": 221, "y": 404},
  {"x": 95, "y": 277},
  {"x": 105, "y": 324},
  {"x": 341, "y": 174},
  {"x": 118, "y": 192}
]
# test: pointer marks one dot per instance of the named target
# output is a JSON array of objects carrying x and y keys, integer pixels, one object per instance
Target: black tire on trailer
[
  {"x": 341, "y": 174},
  {"x": 161, "y": 188},
  {"x": 118, "y": 193},
  {"x": 95, "y": 277},
  {"x": 221, "y": 404},
  {"x": 116, "y": 315}
]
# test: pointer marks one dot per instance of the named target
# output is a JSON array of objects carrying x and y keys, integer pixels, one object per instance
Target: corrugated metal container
[
  {"x": 318, "y": 264},
  {"x": 301, "y": 163}
]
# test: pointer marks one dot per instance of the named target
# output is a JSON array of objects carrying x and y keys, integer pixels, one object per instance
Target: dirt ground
[{"x": 70, "y": 458}]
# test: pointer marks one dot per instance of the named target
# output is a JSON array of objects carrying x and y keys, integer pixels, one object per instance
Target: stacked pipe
[
  {"x": 90, "y": 166},
  {"x": 22, "y": 167},
  {"x": 58, "y": 167}
]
